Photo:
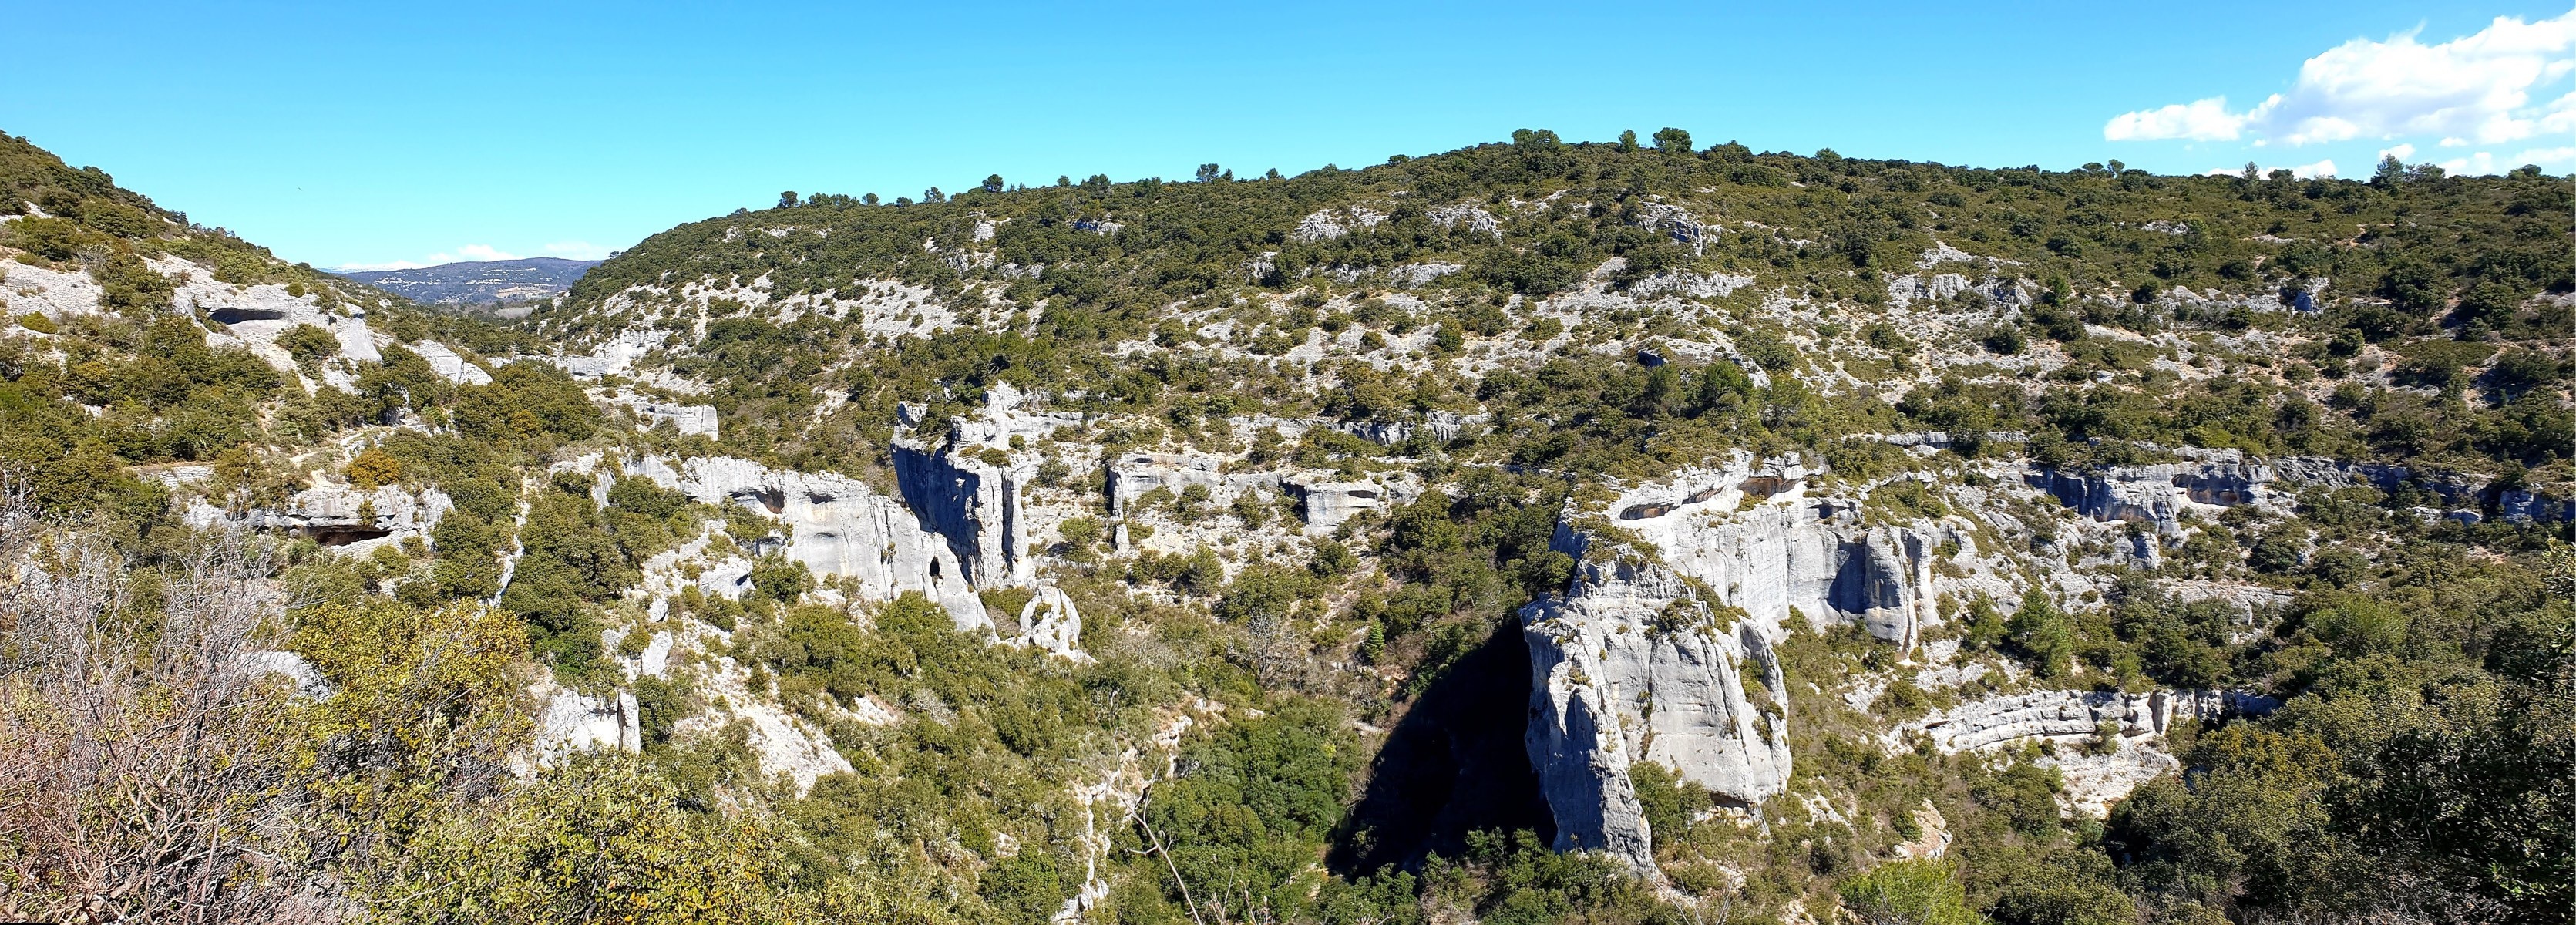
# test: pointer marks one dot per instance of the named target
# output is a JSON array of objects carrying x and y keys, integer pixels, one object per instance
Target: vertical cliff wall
[
  {"x": 1763, "y": 545},
  {"x": 969, "y": 487},
  {"x": 836, "y": 526},
  {"x": 1632, "y": 664}
]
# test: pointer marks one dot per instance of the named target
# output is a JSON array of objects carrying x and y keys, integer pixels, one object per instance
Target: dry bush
[{"x": 143, "y": 733}]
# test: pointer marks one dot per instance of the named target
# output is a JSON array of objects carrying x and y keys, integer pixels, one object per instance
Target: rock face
[
  {"x": 1632, "y": 665},
  {"x": 969, "y": 488},
  {"x": 970, "y": 502},
  {"x": 1879, "y": 579},
  {"x": 1049, "y": 621},
  {"x": 1327, "y": 504},
  {"x": 1133, "y": 475},
  {"x": 572, "y": 722},
  {"x": 1683, "y": 588},
  {"x": 2095, "y": 777},
  {"x": 2009, "y": 718},
  {"x": 836, "y": 527},
  {"x": 340, "y": 516},
  {"x": 2154, "y": 497},
  {"x": 1750, "y": 533},
  {"x": 449, "y": 364},
  {"x": 687, "y": 419}
]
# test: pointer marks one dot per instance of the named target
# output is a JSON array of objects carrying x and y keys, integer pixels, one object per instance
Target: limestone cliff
[
  {"x": 1633, "y": 664},
  {"x": 969, "y": 488},
  {"x": 1755, "y": 538},
  {"x": 2007, "y": 718},
  {"x": 1325, "y": 499},
  {"x": 2097, "y": 771},
  {"x": 1660, "y": 649},
  {"x": 338, "y": 515},
  {"x": 836, "y": 526}
]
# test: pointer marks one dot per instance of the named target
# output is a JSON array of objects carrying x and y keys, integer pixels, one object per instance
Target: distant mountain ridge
[{"x": 479, "y": 282}]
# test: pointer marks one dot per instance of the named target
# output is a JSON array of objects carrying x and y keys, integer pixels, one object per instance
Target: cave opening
[
  {"x": 1453, "y": 764},
  {"x": 343, "y": 536},
  {"x": 236, "y": 315}
]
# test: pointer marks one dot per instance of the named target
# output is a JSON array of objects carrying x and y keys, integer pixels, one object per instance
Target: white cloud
[
  {"x": 2400, "y": 152},
  {"x": 2478, "y": 87},
  {"x": 2320, "y": 169},
  {"x": 2479, "y": 163},
  {"x": 2203, "y": 120},
  {"x": 2455, "y": 142},
  {"x": 2547, "y": 157}
]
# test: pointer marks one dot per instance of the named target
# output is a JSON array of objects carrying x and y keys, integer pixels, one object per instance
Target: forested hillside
[
  {"x": 494, "y": 283},
  {"x": 1533, "y": 532}
]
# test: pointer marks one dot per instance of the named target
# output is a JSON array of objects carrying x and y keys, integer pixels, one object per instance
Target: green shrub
[{"x": 1922, "y": 892}]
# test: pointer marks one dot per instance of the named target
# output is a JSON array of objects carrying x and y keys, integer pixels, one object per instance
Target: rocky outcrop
[
  {"x": 651, "y": 412},
  {"x": 2154, "y": 497},
  {"x": 836, "y": 526},
  {"x": 2096, "y": 773},
  {"x": 449, "y": 364},
  {"x": 1466, "y": 217},
  {"x": 1750, "y": 533},
  {"x": 1935, "y": 288},
  {"x": 1441, "y": 426},
  {"x": 1134, "y": 475},
  {"x": 786, "y": 746},
  {"x": 1688, "y": 284},
  {"x": 614, "y": 356},
  {"x": 1942, "y": 439},
  {"x": 336, "y": 515},
  {"x": 968, "y": 489},
  {"x": 1050, "y": 621},
  {"x": 1328, "y": 224},
  {"x": 250, "y": 317},
  {"x": 1674, "y": 221},
  {"x": 1632, "y": 664},
  {"x": 2516, "y": 505},
  {"x": 309, "y": 681},
  {"x": 575, "y": 722},
  {"x": 2008, "y": 718},
  {"x": 1416, "y": 275},
  {"x": 1326, "y": 503}
]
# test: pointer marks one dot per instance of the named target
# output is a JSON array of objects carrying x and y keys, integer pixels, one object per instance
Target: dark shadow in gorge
[{"x": 1453, "y": 765}]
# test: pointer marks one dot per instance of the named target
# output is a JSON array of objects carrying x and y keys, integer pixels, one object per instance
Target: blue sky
[{"x": 349, "y": 134}]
